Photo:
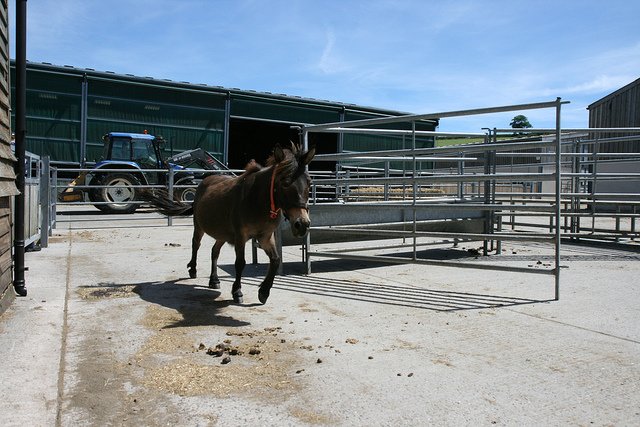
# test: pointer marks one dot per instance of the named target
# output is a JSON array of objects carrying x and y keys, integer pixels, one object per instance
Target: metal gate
[{"x": 413, "y": 179}]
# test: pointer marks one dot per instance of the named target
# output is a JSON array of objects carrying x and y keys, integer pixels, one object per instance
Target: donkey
[{"x": 251, "y": 205}]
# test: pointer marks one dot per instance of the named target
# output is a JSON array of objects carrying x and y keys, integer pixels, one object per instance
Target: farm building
[
  {"x": 69, "y": 110},
  {"x": 617, "y": 110},
  {"x": 620, "y": 109}
]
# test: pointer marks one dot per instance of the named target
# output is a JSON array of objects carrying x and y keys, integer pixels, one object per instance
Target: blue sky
[{"x": 417, "y": 56}]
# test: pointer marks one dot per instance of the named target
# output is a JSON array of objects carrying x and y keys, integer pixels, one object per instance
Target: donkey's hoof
[
  {"x": 263, "y": 296},
  {"x": 214, "y": 283},
  {"x": 238, "y": 298}
]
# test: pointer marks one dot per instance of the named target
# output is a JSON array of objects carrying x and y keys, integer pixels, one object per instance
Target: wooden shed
[{"x": 7, "y": 176}]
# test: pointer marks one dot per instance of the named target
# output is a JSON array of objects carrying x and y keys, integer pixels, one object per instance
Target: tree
[{"x": 520, "y": 122}]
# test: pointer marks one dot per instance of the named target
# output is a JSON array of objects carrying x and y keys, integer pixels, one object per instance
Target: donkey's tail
[{"x": 159, "y": 198}]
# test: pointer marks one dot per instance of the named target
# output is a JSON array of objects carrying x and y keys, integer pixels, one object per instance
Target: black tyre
[
  {"x": 187, "y": 194},
  {"x": 118, "y": 191}
]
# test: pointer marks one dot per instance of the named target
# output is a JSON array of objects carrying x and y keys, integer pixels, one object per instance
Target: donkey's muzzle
[
  {"x": 299, "y": 220},
  {"x": 300, "y": 226}
]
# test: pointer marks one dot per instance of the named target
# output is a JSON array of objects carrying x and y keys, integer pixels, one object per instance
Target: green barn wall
[{"x": 69, "y": 108}]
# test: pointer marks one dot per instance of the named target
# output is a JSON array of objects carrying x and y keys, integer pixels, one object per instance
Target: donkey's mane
[
  {"x": 287, "y": 167},
  {"x": 251, "y": 167}
]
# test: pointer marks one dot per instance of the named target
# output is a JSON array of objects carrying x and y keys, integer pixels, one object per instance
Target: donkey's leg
[
  {"x": 195, "y": 245},
  {"x": 214, "y": 282},
  {"x": 236, "y": 290},
  {"x": 269, "y": 246}
]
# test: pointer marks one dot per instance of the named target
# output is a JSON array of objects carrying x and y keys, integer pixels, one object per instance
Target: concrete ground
[{"x": 114, "y": 333}]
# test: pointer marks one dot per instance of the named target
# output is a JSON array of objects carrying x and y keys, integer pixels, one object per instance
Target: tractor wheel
[
  {"x": 187, "y": 194},
  {"x": 118, "y": 191}
]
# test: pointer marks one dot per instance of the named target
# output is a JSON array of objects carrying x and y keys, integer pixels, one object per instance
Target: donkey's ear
[
  {"x": 293, "y": 147},
  {"x": 278, "y": 154},
  {"x": 308, "y": 156}
]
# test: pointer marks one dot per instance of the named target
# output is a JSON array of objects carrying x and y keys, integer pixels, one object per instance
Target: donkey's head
[{"x": 291, "y": 186}]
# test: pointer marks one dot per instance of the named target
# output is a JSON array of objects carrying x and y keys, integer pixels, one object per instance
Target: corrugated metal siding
[
  {"x": 291, "y": 112},
  {"x": 186, "y": 115},
  {"x": 196, "y": 121},
  {"x": 619, "y": 109},
  {"x": 53, "y": 115},
  {"x": 54, "y": 119}
]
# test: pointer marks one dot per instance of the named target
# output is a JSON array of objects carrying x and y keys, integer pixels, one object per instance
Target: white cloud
[{"x": 328, "y": 62}]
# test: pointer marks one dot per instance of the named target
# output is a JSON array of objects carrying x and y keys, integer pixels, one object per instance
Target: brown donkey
[{"x": 236, "y": 209}]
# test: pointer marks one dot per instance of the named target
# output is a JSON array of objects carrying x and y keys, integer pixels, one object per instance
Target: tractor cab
[{"x": 138, "y": 148}]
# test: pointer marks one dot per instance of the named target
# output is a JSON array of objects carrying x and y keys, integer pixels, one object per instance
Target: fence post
[
  {"x": 45, "y": 202},
  {"x": 461, "y": 172},
  {"x": 558, "y": 199},
  {"x": 487, "y": 196},
  {"x": 278, "y": 237},
  {"x": 575, "y": 219},
  {"x": 633, "y": 223},
  {"x": 254, "y": 251},
  {"x": 170, "y": 189},
  {"x": 386, "y": 185},
  {"x": 53, "y": 198}
]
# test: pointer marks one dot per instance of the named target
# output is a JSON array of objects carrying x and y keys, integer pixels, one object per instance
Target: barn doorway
[{"x": 255, "y": 139}]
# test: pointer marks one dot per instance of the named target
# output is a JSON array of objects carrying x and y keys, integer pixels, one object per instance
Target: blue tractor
[{"x": 131, "y": 160}]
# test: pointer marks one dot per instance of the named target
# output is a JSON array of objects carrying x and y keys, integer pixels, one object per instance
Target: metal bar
[
  {"x": 212, "y": 171},
  {"x": 386, "y": 186},
  {"x": 431, "y": 116},
  {"x": 576, "y": 201},
  {"x": 456, "y": 264},
  {"x": 45, "y": 202},
  {"x": 415, "y": 190},
  {"x": 136, "y": 218},
  {"x": 401, "y": 246},
  {"x": 277, "y": 234},
  {"x": 574, "y": 214},
  {"x": 443, "y": 206},
  {"x": 444, "y": 178},
  {"x": 53, "y": 197},
  {"x": 604, "y": 175},
  {"x": 434, "y": 150},
  {"x": 558, "y": 206},
  {"x": 573, "y": 195},
  {"x": 307, "y": 237},
  {"x": 342, "y": 129},
  {"x": 487, "y": 196},
  {"x": 572, "y": 130},
  {"x": 461, "y": 172},
  {"x": 170, "y": 181},
  {"x": 532, "y": 237},
  {"x": 406, "y": 158}
]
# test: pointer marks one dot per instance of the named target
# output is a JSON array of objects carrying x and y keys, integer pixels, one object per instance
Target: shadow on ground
[
  {"x": 197, "y": 305},
  {"x": 370, "y": 291}
]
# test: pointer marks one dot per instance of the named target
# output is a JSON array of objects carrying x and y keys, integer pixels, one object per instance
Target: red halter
[{"x": 273, "y": 212}]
